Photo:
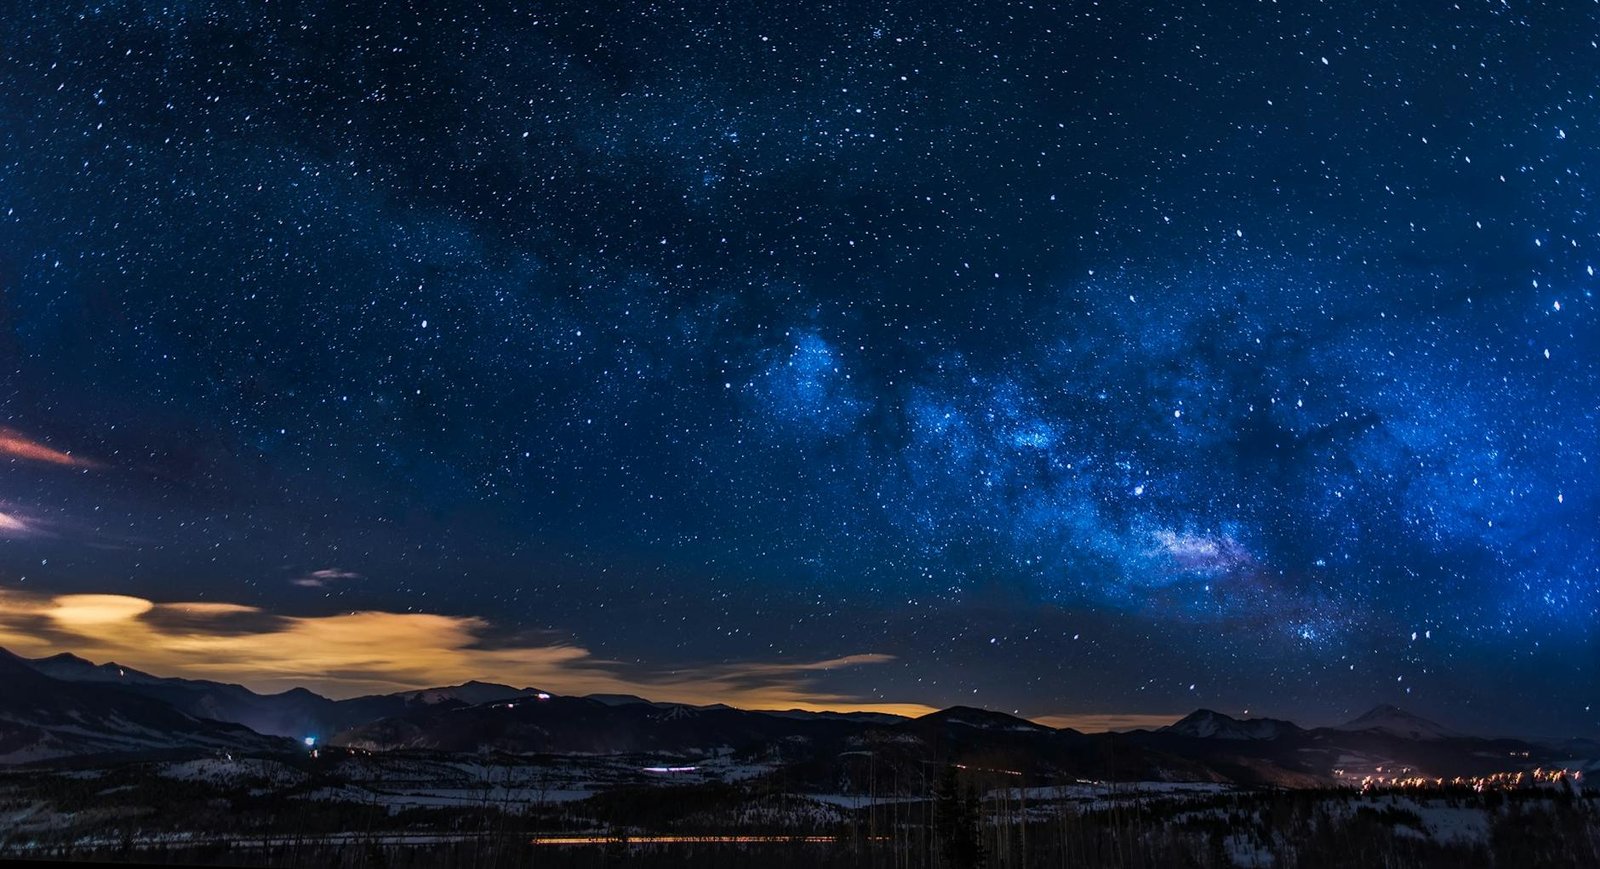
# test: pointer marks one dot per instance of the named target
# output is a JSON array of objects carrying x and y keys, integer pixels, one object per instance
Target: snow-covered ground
[
  {"x": 1090, "y": 796},
  {"x": 400, "y": 782},
  {"x": 1441, "y": 820},
  {"x": 219, "y": 770},
  {"x": 853, "y": 801}
]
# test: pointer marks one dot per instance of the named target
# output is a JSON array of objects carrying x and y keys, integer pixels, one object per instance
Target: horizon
[{"x": 1083, "y": 722}]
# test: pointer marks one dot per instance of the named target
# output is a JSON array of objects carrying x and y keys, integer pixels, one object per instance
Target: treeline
[{"x": 956, "y": 819}]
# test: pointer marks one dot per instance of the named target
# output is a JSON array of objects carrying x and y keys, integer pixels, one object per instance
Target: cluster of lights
[
  {"x": 963, "y": 766},
  {"x": 1500, "y": 781},
  {"x": 541, "y": 696}
]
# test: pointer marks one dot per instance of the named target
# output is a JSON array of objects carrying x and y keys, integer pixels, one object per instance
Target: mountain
[
  {"x": 470, "y": 693},
  {"x": 621, "y": 700},
  {"x": 294, "y": 713},
  {"x": 863, "y": 717},
  {"x": 65, "y": 705},
  {"x": 43, "y": 718},
  {"x": 1576, "y": 753},
  {"x": 815, "y": 749},
  {"x": 1385, "y": 743},
  {"x": 1384, "y": 718},
  {"x": 1206, "y": 724},
  {"x": 981, "y": 719},
  {"x": 567, "y": 725}
]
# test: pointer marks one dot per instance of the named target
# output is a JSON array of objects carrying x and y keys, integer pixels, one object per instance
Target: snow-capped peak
[
  {"x": 1208, "y": 724},
  {"x": 1394, "y": 721}
]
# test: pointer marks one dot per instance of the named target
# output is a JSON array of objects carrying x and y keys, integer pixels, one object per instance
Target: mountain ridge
[
  {"x": 1205, "y": 745},
  {"x": 43, "y": 718},
  {"x": 1387, "y": 718},
  {"x": 322, "y": 717},
  {"x": 296, "y": 712},
  {"x": 1210, "y": 724}
]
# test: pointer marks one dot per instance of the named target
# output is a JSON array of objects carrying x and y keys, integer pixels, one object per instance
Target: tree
[{"x": 955, "y": 820}]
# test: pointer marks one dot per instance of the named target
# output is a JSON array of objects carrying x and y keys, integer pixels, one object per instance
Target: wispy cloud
[
  {"x": 13, "y": 525},
  {"x": 19, "y": 446},
  {"x": 323, "y": 578},
  {"x": 354, "y": 653}
]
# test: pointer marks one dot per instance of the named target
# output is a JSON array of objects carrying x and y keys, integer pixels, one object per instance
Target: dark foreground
[{"x": 400, "y": 812}]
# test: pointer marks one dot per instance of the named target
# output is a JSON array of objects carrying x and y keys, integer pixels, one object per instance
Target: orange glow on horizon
[
  {"x": 355, "y": 653},
  {"x": 370, "y": 652}
]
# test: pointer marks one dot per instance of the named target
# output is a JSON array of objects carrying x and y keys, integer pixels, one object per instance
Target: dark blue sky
[{"x": 1083, "y": 358}]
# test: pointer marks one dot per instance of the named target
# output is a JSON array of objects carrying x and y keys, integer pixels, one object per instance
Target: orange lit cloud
[
  {"x": 367, "y": 652},
  {"x": 89, "y": 611},
  {"x": 19, "y": 446}
]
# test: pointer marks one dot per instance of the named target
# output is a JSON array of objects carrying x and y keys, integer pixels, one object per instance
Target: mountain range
[
  {"x": 44, "y": 718},
  {"x": 66, "y": 707},
  {"x": 295, "y": 713}
]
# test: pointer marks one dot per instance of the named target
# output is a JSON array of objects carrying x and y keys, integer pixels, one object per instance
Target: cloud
[
  {"x": 12, "y": 525},
  {"x": 79, "y": 611},
  {"x": 354, "y": 653},
  {"x": 829, "y": 664},
  {"x": 19, "y": 446},
  {"x": 323, "y": 578}
]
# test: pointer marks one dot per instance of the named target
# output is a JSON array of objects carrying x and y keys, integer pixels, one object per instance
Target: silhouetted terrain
[
  {"x": 102, "y": 761},
  {"x": 42, "y": 719}
]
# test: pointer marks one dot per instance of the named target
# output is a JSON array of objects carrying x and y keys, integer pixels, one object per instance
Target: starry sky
[{"x": 1096, "y": 361}]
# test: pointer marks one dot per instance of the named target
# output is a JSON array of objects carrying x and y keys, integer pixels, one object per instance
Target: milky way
[{"x": 1065, "y": 359}]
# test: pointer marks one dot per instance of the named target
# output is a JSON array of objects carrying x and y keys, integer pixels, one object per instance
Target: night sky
[{"x": 1075, "y": 359}]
